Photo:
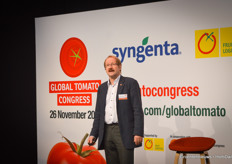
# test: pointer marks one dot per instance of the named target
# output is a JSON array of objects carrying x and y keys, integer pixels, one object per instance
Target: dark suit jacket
[{"x": 130, "y": 112}]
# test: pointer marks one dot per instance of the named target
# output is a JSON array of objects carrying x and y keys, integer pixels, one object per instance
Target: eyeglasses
[{"x": 112, "y": 64}]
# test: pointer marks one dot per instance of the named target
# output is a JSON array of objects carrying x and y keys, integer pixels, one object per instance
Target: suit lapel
[
  {"x": 105, "y": 89},
  {"x": 120, "y": 86}
]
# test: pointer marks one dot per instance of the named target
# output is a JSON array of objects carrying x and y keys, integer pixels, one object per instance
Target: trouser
[{"x": 115, "y": 151}]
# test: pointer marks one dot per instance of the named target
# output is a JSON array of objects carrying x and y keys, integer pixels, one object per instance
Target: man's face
[{"x": 112, "y": 69}]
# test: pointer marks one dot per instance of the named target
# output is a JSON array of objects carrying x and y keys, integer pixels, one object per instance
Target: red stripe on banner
[
  {"x": 74, "y": 86},
  {"x": 74, "y": 99}
]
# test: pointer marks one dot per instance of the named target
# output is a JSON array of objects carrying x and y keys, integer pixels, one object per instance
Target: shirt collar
[{"x": 115, "y": 81}]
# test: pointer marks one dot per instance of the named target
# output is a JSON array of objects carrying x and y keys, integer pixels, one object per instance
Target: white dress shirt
[{"x": 111, "y": 108}]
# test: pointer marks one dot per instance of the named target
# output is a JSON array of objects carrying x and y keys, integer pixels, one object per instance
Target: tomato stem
[
  {"x": 79, "y": 150},
  {"x": 69, "y": 142}
]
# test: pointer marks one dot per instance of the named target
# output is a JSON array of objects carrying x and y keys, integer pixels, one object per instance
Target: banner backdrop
[{"x": 179, "y": 51}]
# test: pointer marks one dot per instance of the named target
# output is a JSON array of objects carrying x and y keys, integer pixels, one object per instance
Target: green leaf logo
[{"x": 145, "y": 40}]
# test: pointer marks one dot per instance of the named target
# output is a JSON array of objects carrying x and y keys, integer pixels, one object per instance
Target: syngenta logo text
[{"x": 143, "y": 51}]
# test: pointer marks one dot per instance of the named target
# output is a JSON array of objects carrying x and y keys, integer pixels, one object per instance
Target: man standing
[{"x": 119, "y": 119}]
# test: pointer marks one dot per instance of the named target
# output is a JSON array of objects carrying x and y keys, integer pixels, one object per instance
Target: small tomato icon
[{"x": 72, "y": 153}]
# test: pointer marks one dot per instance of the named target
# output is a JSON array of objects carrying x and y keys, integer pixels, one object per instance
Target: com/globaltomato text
[{"x": 192, "y": 110}]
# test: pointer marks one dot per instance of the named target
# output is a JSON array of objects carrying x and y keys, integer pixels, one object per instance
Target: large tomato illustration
[{"x": 72, "y": 153}]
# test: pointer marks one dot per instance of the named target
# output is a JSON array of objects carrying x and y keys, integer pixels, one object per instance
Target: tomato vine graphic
[
  {"x": 207, "y": 39},
  {"x": 73, "y": 57}
]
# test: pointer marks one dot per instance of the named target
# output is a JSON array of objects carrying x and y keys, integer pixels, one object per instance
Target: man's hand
[
  {"x": 138, "y": 140},
  {"x": 90, "y": 140}
]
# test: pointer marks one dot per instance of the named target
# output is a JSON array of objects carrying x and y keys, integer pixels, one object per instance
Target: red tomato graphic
[{"x": 73, "y": 57}]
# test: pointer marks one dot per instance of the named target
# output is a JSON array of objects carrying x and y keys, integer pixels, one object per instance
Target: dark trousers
[{"x": 115, "y": 151}]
